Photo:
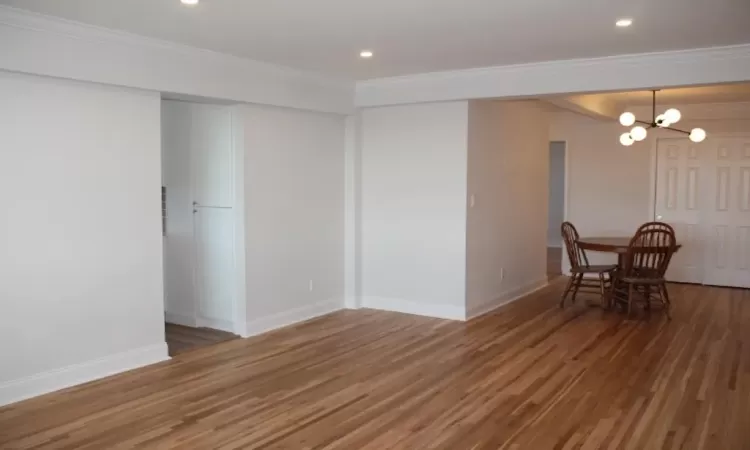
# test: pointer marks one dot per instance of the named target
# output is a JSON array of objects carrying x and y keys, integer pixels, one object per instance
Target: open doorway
[
  {"x": 556, "y": 208},
  {"x": 199, "y": 225}
]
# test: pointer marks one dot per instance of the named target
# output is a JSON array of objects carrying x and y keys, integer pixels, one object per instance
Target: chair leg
[
  {"x": 577, "y": 280},
  {"x": 567, "y": 289},
  {"x": 665, "y": 300},
  {"x": 630, "y": 299},
  {"x": 602, "y": 292},
  {"x": 647, "y": 296}
]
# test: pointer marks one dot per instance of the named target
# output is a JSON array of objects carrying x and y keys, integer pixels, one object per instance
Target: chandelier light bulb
[
  {"x": 627, "y": 119},
  {"x": 638, "y": 133},
  {"x": 662, "y": 121},
  {"x": 672, "y": 115},
  {"x": 697, "y": 135},
  {"x": 626, "y": 140}
]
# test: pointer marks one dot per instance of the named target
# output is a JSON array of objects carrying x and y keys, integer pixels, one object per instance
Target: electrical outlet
[{"x": 311, "y": 286}]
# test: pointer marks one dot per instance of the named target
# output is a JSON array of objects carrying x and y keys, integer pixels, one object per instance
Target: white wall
[
  {"x": 556, "y": 208},
  {"x": 81, "y": 250},
  {"x": 507, "y": 226},
  {"x": 413, "y": 208},
  {"x": 294, "y": 203}
]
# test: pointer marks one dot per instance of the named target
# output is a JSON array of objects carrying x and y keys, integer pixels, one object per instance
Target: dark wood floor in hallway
[
  {"x": 181, "y": 339},
  {"x": 527, "y": 376}
]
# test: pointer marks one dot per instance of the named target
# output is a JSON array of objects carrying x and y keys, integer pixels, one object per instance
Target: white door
[
  {"x": 214, "y": 267},
  {"x": 727, "y": 213},
  {"x": 212, "y": 181},
  {"x": 703, "y": 191},
  {"x": 680, "y": 170}
]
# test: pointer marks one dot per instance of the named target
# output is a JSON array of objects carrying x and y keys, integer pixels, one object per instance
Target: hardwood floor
[
  {"x": 527, "y": 376},
  {"x": 181, "y": 339}
]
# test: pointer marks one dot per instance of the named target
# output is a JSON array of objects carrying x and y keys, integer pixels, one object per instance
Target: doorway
[
  {"x": 556, "y": 208},
  {"x": 198, "y": 225}
]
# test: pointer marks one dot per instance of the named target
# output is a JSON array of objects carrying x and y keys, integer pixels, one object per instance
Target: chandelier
[{"x": 665, "y": 120}]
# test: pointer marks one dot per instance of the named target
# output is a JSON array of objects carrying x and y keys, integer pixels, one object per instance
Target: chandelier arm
[
  {"x": 676, "y": 129},
  {"x": 650, "y": 125}
]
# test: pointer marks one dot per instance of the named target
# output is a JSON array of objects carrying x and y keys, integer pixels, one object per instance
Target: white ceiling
[{"x": 415, "y": 36}]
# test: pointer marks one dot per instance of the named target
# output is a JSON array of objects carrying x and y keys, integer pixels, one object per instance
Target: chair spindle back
[{"x": 576, "y": 256}]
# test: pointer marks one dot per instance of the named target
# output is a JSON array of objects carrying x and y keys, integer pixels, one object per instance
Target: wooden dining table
[{"x": 618, "y": 245}]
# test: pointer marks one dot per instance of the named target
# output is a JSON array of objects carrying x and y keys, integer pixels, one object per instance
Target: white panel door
[
  {"x": 214, "y": 267},
  {"x": 679, "y": 199},
  {"x": 212, "y": 168},
  {"x": 211, "y": 148},
  {"x": 727, "y": 215}
]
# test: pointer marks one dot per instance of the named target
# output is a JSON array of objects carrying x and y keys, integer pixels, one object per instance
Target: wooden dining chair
[
  {"x": 656, "y": 226},
  {"x": 644, "y": 267},
  {"x": 580, "y": 267}
]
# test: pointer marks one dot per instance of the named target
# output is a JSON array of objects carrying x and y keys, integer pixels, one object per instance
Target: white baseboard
[
  {"x": 411, "y": 307},
  {"x": 290, "y": 317},
  {"x": 54, "y": 380},
  {"x": 180, "y": 319},
  {"x": 352, "y": 303},
  {"x": 507, "y": 297}
]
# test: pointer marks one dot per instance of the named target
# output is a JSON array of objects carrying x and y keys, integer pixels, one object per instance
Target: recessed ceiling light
[
  {"x": 622, "y": 23},
  {"x": 365, "y": 54},
  {"x": 190, "y": 2}
]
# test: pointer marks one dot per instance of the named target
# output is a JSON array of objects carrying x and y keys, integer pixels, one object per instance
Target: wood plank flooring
[
  {"x": 181, "y": 339},
  {"x": 527, "y": 376}
]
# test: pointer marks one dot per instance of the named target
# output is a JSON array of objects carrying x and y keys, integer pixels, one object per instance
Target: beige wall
[{"x": 508, "y": 167}]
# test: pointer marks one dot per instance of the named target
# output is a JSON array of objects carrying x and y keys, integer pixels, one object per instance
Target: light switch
[{"x": 471, "y": 201}]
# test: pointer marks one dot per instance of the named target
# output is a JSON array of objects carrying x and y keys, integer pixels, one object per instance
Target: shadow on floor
[{"x": 181, "y": 339}]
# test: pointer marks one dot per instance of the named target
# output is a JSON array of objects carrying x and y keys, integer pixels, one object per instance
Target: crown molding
[
  {"x": 698, "y": 111},
  {"x": 612, "y": 73},
  {"x": 43, "y": 45}
]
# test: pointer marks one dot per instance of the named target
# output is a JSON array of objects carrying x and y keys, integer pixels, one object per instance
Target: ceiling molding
[
  {"x": 42, "y": 45},
  {"x": 613, "y": 73},
  {"x": 595, "y": 107},
  {"x": 698, "y": 112}
]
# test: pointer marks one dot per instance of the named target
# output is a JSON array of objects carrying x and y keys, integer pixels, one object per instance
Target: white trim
[
  {"x": 54, "y": 380},
  {"x": 290, "y": 317},
  {"x": 611, "y": 73},
  {"x": 352, "y": 205},
  {"x": 417, "y": 308},
  {"x": 564, "y": 263},
  {"x": 180, "y": 319},
  {"x": 50, "y": 46},
  {"x": 238, "y": 210},
  {"x": 508, "y": 297}
]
